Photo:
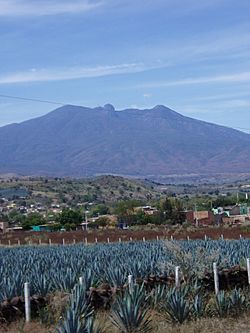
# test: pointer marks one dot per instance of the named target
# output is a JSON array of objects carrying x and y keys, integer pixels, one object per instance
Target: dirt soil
[{"x": 115, "y": 235}]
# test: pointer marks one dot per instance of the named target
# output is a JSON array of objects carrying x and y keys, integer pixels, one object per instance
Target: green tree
[
  {"x": 69, "y": 216},
  {"x": 32, "y": 220}
]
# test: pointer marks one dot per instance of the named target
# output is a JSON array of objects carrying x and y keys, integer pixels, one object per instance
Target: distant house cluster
[{"x": 228, "y": 215}]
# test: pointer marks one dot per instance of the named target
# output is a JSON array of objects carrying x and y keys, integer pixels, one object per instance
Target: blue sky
[{"x": 190, "y": 55}]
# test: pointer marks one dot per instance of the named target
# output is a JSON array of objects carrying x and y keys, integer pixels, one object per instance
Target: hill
[{"x": 79, "y": 141}]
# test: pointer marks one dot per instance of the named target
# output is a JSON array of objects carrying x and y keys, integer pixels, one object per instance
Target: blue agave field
[
  {"x": 52, "y": 268},
  {"x": 96, "y": 276}
]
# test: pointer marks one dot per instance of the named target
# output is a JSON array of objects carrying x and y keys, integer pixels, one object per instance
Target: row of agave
[
  {"x": 131, "y": 311},
  {"x": 53, "y": 268}
]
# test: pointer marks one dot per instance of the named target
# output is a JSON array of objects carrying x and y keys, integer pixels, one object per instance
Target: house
[
  {"x": 203, "y": 217},
  {"x": 44, "y": 227},
  {"x": 239, "y": 209},
  {"x": 3, "y": 227},
  {"x": 148, "y": 210},
  {"x": 235, "y": 219}
]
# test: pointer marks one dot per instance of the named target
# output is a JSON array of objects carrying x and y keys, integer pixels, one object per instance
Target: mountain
[{"x": 79, "y": 141}]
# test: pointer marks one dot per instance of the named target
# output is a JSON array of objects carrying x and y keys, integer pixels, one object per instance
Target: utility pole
[{"x": 196, "y": 218}]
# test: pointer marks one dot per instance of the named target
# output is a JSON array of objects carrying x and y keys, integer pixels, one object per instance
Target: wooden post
[
  {"x": 27, "y": 301},
  {"x": 143, "y": 239},
  {"x": 81, "y": 280},
  {"x": 222, "y": 237},
  {"x": 18, "y": 242},
  {"x": 29, "y": 242},
  {"x": 86, "y": 240},
  {"x": 205, "y": 237},
  {"x": 50, "y": 243},
  {"x": 108, "y": 239},
  {"x": 96, "y": 240},
  {"x": 74, "y": 241},
  {"x": 120, "y": 240},
  {"x": 240, "y": 236},
  {"x": 40, "y": 241},
  {"x": 248, "y": 269},
  {"x": 188, "y": 238},
  {"x": 9, "y": 243},
  {"x": 172, "y": 238},
  {"x": 177, "y": 276},
  {"x": 130, "y": 239},
  {"x": 63, "y": 241},
  {"x": 216, "y": 278},
  {"x": 157, "y": 237}
]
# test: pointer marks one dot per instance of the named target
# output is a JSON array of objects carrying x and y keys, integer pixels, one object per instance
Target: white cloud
[
  {"x": 12, "y": 8},
  {"x": 60, "y": 74},
  {"x": 227, "y": 78}
]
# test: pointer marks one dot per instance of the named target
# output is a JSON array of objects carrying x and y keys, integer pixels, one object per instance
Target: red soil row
[{"x": 113, "y": 235}]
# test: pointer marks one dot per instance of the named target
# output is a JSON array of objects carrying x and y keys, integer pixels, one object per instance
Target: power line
[
  {"x": 32, "y": 99},
  {"x": 62, "y": 104}
]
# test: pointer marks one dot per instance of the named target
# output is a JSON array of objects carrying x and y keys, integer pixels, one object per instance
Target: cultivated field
[{"x": 128, "y": 287}]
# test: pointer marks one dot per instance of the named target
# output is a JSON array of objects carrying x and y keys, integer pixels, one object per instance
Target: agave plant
[
  {"x": 78, "y": 314},
  {"x": 177, "y": 306},
  {"x": 157, "y": 295},
  {"x": 71, "y": 323},
  {"x": 222, "y": 304},
  {"x": 199, "y": 306},
  {"x": 237, "y": 301},
  {"x": 130, "y": 313},
  {"x": 80, "y": 301}
]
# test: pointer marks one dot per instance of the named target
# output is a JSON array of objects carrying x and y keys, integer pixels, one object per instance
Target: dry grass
[
  {"x": 20, "y": 327},
  {"x": 207, "y": 325},
  {"x": 159, "y": 325}
]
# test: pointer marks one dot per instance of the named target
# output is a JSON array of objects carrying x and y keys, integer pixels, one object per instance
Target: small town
[{"x": 23, "y": 210}]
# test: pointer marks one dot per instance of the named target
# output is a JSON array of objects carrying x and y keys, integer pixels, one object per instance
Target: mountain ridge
[{"x": 82, "y": 141}]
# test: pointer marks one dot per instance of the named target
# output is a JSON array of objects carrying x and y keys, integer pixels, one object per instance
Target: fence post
[
  {"x": 248, "y": 269},
  {"x": 9, "y": 243},
  {"x": 205, "y": 237},
  {"x": 172, "y": 238},
  {"x": 18, "y": 242},
  {"x": 27, "y": 301},
  {"x": 108, "y": 239},
  {"x": 96, "y": 240},
  {"x": 177, "y": 276},
  {"x": 86, "y": 240},
  {"x": 120, "y": 240},
  {"x": 188, "y": 238},
  {"x": 40, "y": 241},
  {"x": 216, "y": 278},
  {"x": 130, "y": 239},
  {"x": 143, "y": 239},
  {"x": 63, "y": 241},
  {"x": 221, "y": 236},
  {"x": 81, "y": 280},
  {"x": 130, "y": 283},
  {"x": 240, "y": 236},
  {"x": 74, "y": 241},
  {"x": 157, "y": 237},
  {"x": 50, "y": 242}
]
